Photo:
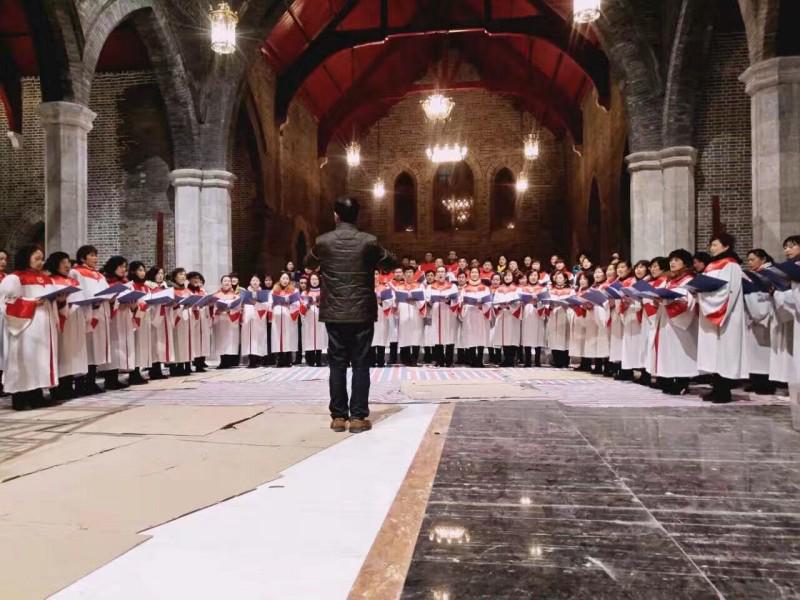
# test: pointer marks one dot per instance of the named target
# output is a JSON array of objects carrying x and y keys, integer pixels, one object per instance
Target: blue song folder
[
  {"x": 776, "y": 278},
  {"x": 232, "y": 304},
  {"x": 414, "y": 296},
  {"x": 526, "y": 298},
  {"x": 160, "y": 300},
  {"x": 190, "y": 300},
  {"x": 204, "y": 301},
  {"x": 87, "y": 302},
  {"x": 259, "y": 297},
  {"x": 596, "y": 297},
  {"x": 117, "y": 288},
  {"x": 472, "y": 301},
  {"x": 704, "y": 284},
  {"x": 285, "y": 300},
  {"x": 754, "y": 282},
  {"x": 791, "y": 268},
  {"x": 69, "y": 289},
  {"x": 386, "y": 294},
  {"x": 131, "y": 297}
]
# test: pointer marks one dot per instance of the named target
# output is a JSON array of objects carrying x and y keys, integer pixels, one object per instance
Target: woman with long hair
[
  {"x": 254, "y": 326},
  {"x": 284, "y": 312},
  {"x": 143, "y": 333},
  {"x": 597, "y": 333},
  {"x": 315, "y": 335},
  {"x": 558, "y": 321},
  {"x": 533, "y": 322},
  {"x": 226, "y": 325},
  {"x": 184, "y": 351},
  {"x": 162, "y": 350},
  {"x": 579, "y": 316},
  {"x": 507, "y": 313},
  {"x": 200, "y": 323},
  {"x": 475, "y": 312},
  {"x": 121, "y": 325}
]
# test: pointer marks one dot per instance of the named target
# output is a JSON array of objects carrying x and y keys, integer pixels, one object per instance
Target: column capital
[
  {"x": 771, "y": 73},
  {"x": 66, "y": 113},
  {"x": 657, "y": 160},
  {"x": 218, "y": 178},
  {"x": 186, "y": 177}
]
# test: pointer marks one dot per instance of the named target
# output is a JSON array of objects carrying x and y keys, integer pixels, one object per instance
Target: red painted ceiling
[{"x": 354, "y": 87}]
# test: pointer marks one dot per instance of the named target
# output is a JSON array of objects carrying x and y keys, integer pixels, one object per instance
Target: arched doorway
[
  {"x": 503, "y": 200},
  {"x": 452, "y": 181},
  {"x": 301, "y": 249},
  {"x": 405, "y": 203}
]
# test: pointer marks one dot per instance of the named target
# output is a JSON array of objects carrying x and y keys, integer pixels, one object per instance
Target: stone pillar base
[{"x": 794, "y": 402}]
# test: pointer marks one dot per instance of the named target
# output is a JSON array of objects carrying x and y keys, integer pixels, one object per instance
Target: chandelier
[
  {"x": 353, "y": 154},
  {"x": 446, "y": 153},
  {"x": 378, "y": 189},
  {"x": 459, "y": 208},
  {"x": 437, "y": 107},
  {"x": 531, "y": 147},
  {"x": 586, "y": 11},
  {"x": 522, "y": 183},
  {"x": 223, "y": 28}
]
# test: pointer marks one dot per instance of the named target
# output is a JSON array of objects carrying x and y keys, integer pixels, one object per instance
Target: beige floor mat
[{"x": 465, "y": 390}]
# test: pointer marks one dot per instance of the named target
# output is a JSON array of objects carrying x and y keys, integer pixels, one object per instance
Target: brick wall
[
  {"x": 129, "y": 162},
  {"x": 490, "y": 126},
  {"x": 723, "y": 141},
  {"x": 601, "y": 159}
]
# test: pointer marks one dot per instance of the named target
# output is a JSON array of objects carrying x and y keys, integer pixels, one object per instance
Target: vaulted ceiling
[{"x": 351, "y": 60}]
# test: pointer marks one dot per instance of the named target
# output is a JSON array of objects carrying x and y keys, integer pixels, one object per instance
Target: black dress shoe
[{"x": 21, "y": 401}]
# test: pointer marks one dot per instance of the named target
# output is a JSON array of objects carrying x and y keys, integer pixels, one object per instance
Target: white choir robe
[
  {"x": 200, "y": 329},
  {"x": 98, "y": 345},
  {"x": 284, "y": 324},
  {"x": 674, "y": 352},
  {"x": 226, "y": 329},
  {"x": 783, "y": 360},
  {"x": 443, "y": 316},
  {"x": 31, "y": 343},
  {"x": 162, "y": 348},
  {"x": 758, "y": 316},
  {"x": 634, "y": 336},
  {"x": 532, "y": 328},
  {"x": 474, "y": 318},
  {"x": 650, "y": 314},
  {"x": 315, "y": 335},
  {"x": 508, "y": 313},
  {"x": 181, "y": 319},
  {"x": 596, "y": 332},
  {"x": 2, "y": 330},
  {"x": 122, "y": 338},
  {"x": 721, "y": 336},
  {"x": 255, "y": 320},
  {"x": 72, "y": 355},
  {"x": 383, "y": 325},
  {"x": 616, "y": 332},
  {"x": 794, "y": 376},
  {"x": 578, "y": 319},
  {"x": 558, "y": 321},
  {"x": 143, "y": 335},
  {"x": 410, "y": 319}
]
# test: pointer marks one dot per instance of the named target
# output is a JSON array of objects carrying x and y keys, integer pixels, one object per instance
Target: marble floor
[{"x": 580, "y": 487}]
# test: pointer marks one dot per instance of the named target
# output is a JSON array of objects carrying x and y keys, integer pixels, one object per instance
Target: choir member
[
  {"x": 475, "y": 313},
  {"x": 302, "y": 288},
  {"x": 502, "y": 263},
  {"x": 791, "y": 251},
  {"x": 527, "y": 265},
  {"x": 97, "y": 317},
  {"x": 783, "y": 360},
  {"x": 428, "y": 264},
  {"x": 120, "y": 325},
  {"x": 659, "y": 275},
  {"x": 3, "y": 267},
  {"x": 624, "y": 276},
  {"x": 143, "y": 329},
  {"x": 31, "y": 331},
  {"x": 495, "y": 354},
  {"x": 235, "y": 281},
  {"x": 184, "y": 343},
  {"x": 486, "y": 273},
  {"x": 315, "y": 335},
  {"x": 284, "y": 312},
  {"x": 461, "y": 350},
  {"x": 533, "y": 322},
  {"x": 595, "y": 346},
  {"x": 673, "y": 356},
  {"x": 442, "y": 298},
  {"x": 398, "y": 280},
  {"x": 759, "y": 317},
  {"x": 410, "y": 318},
  {"x": 507, "y": 313},
  {"x": 162, "y": 349},
  {"x": 558, "y": 322},
  {"x": 513, "y": 266},
  {"x": 254, "y": 326},
  {"x": 721, "y": 337},
  {"x": 226, "y": 325},
  {"x": 268, "y": 284},
  {"x": 700, "y": 260},
  {"x": 384, "y": 296},
  {"x": 200, "y": 319},
  {"x": 578, "y": 318},
  {"x": 294, "y": 275},
  {"x": 72, "y": 357},
  {"x": 633, "y": 333}
]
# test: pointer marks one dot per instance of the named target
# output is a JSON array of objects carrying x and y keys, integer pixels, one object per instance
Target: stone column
[
  {"x": 215, "y": 225},
  {"x": 66, "y": 126},
  {"x": 794, "y": 401},
  {"x": 187, "y": 183},
  {"x": 774, "y": 89},
  {"x": 662, "y": 201}
]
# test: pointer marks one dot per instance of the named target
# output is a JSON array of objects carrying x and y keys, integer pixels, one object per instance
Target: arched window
[
  {"x": 594, "y": 219},
  {"x": 405, "y": 203},
  {"x": 453, "y": 181},
  {"x": 503, "y": 199}
]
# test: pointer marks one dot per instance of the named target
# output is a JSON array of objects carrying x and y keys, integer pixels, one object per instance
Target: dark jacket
[{"x": 347, "y": 260}]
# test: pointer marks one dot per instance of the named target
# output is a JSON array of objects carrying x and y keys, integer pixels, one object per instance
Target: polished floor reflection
[{"x": 538, "y": 500}]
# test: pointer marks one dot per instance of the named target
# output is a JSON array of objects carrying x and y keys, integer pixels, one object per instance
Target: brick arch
[
  {"x": 761, "y": 22},
  {"x": 397, "y": 173},
  {"x": 26, "y": 229},
  {"x": 152, "y": 26}
]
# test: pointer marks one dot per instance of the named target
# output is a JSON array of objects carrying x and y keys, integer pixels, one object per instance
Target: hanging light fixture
[
  {"x": 437, "y": 107},
  {"x": 353, "y": 154},
  {"x": 378, "y": 189},
  {"x": 585, "y": 11},
  {"x": 446, "y": 153},
  {"x": 531, "y": 147},
  {"x": 223, "y": 28},
  {"x": 522, "y": 183}
]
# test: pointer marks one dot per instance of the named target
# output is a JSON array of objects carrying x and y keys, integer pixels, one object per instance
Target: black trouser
[
  {"x": 427, "y": 357},
  {"x": 314, "y": 358},
  {"x": 392, "y": 353},
  {"x": 461, "y": 356},
  {"x": 284, "y": 359},
  {"x": 349, "y": 345},
  {"x": 379, "y": 356},
  {"x": 560, "y": 358},
  {"x": 443, "y": 355},
  {"x": 495, "y": 355},
  {"x": 409, "y": 355},
  {"x": 475, "y": 356},
  {"x": 509, "y": 356}
]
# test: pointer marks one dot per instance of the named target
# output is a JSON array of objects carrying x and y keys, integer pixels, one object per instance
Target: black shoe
[
  {"x": 624, "y": 375},
  {"x": 709, "y": 396},
  {"x": 21, "y": 401},
  {"x": 722, "y": 398},
  {"x": 136, "y": 378}
]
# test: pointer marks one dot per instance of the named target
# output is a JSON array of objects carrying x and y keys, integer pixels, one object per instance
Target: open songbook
[
  {"x": 443, "y": 296},
  {"x": 259, "y": 297},
  {"x": 132, "y": 297},
  {"x": 790, "y": 268},
  {"x": 117, "y": 288},
  {"x": 413, "y": 296},
  {"x": 386, "y": 294},
  {"x": 704, "y": 284},
  {"x": 164, "y": 297},
  {"x": 279, "y": 300},
  {"x": 648, "y": 291},
  {"x": 224, "y": 304},
  {"x": 52, "y": 295},
  {"x": 474, "y": 300}
]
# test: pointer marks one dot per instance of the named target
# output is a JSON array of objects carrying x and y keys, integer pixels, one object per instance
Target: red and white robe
[
  {"x": 72, "y": 352},
  {"x": 650, "y": 308},
  {"x": 475, "y": 319},
  {"x": 122, "y": 339},
  {"x": 534, "y": 320},
  {"x": 283, "y": 318},
  {"x": 385, "y": 321},
  {"x": 200, "y": 328},
  {"x": 443, "y": 327},
  {"x": 184, "y": 342},
  {"x": 634, "y": 333},
  {"x": 315, "y": 335},
  {"x": 31, "y": 332},
  {"x": 98, "y": 316},
  {"x": 721, "y": 338},
  {"x": 255, "y": 320},
  {"x": 674, "y": 351},
  {"x": 783, "y": 359},
  {"x": 143, "y": 329},
  {"x": 162, "y": 349},
  {"x": 579, "y": 317},
  {"x": 2, "y": 329},
  {"x": 226, "y": 328},
  {"x": 759, "y": 315},
  {"x": 410, "y": 317},
  {"x": 558, "y": 330},
  {"x": 507, "y": 313},
  {"x": 596, "y": 330},
  {"x": 616, "y": 328}
]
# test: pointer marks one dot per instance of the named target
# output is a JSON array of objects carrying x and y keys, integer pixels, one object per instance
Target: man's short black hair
[{"x": 346, "y": 207}]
